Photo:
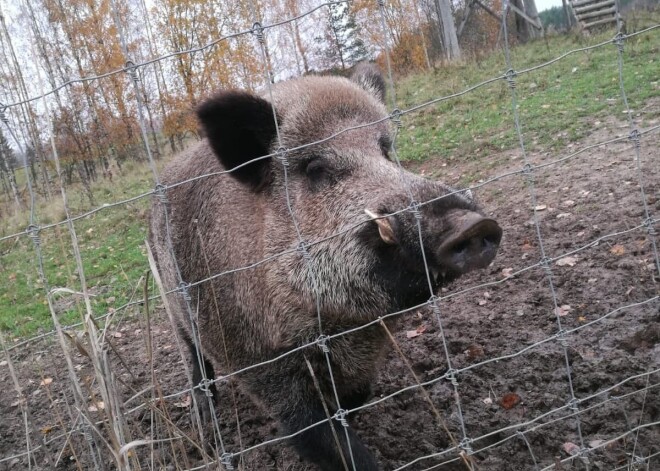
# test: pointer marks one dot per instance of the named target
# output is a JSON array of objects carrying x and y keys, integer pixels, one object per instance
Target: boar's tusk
[{"x": 384, "y": 227}]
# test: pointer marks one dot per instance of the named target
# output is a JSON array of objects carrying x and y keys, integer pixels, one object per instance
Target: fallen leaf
[
  {"x": 540, "y": 207},
  {"x": 510, "y": 400},
  {"x": 184, "y": 403},
  {"x": 116, "y": 335},
  {"x": 527, "y": 245},
  {"x": 563, "y": 215},
  {"x": 3, "y": 363},
  {"x": 474, "y": 351},
  {"x": 563, "y": 310},
  {"x": 582, "y": 318},
  {"x": 415, "y": 333},
  {"x": 486, "y": 295},
  {"x": 596, "y": 443},
  {"x": 482, "y": 302},
  {"x": 46, "y": 381},
  {"x": 571, "y": 448},
  {"x": 100, "y": 405},
  {"x": 618, "y": 249},
  {"x": 110, "y": 300},
  {"x": 567, "y": 261},
  {"x": 47, "y": 429},
  {"x": 506, "y": 272},
  {"x": 568, "y": 203}
]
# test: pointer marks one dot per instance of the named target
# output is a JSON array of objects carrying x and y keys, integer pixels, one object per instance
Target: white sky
[{"x": 545, "y": 4}]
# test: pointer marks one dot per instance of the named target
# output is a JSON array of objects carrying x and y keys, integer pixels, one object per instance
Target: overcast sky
[{"x": 545, "y": 4}]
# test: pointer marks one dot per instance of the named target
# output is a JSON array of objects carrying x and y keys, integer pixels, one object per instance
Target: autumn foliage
[{"x": 159, "y": 58}]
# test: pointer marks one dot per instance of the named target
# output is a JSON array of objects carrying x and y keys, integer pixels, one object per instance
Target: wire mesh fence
[{"x": 109, "y": 412}]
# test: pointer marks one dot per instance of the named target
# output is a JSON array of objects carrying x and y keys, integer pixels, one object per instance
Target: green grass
[
  {"x": 112, "y": 250},
  {"x": 558, "y": 104}
]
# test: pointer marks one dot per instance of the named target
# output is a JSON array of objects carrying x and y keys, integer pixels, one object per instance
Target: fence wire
[{"x": 120, "y": 438}]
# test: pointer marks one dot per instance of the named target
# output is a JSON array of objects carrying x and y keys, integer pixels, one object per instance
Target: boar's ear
[
  {"x": 240, "y": 127},
  {"x": 368, "y": 76}
]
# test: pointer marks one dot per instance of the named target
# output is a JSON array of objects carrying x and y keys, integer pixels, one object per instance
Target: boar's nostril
[{"x": 473, "y": 245}]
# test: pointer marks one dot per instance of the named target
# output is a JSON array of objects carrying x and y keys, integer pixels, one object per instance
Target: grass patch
[
  {"x": 557, "y": 104},
  {"x": 111, "y": 245}
]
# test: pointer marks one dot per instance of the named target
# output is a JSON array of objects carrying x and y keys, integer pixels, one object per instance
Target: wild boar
[{"x": 311, "y": 239}]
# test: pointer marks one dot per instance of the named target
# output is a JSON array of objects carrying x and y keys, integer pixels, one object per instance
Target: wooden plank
[
  {"x": 489, "y": 10},
  {"x": 600, "y": 22},
  {"x": 594, "y": 6},
  {"x": 519, "y": 12},
  {"x": 579, "y": 3},
  {"x": 609, "y": 11}
]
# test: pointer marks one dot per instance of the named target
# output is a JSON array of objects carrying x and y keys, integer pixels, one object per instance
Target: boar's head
[{"x": 331, "y": 167}]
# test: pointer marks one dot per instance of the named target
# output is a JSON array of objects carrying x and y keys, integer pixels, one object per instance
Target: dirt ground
[{"x": 506, "y": 405}]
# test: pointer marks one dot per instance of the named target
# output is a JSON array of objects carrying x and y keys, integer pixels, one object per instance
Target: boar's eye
[{"x": 319, "y": 173}]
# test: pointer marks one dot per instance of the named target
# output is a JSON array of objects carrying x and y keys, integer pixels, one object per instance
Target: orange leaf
[
  {"x": 618, "y": 249},
  {"x": 510, "y": 400}
]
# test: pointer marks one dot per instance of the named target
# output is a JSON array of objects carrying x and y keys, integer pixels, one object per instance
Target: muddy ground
[{"x": 512, "y": 382}]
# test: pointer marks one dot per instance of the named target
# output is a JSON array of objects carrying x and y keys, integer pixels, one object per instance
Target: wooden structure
[
  {"x": 590, "y": 13},
  {"x": 533, "y": 20}
]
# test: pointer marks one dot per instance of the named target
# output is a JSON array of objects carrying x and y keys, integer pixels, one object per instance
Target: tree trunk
[
  {"x": 532, "y": 12},
  {"x": 449, "y": 38},
  {"x": 522, "y": 27},
  {"x": 567, "y": 15},
  {"x": 5, "y": 168}
]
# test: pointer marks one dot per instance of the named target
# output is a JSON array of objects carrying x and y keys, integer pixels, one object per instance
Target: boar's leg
[
  {"x": 294, "y": 400},
  {"x": 357, "y": 397},
  {"x": 318, "y": 444},
  {"x": 197, "y": 378}
]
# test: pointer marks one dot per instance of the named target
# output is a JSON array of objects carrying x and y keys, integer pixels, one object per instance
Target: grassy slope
[{"x": 558, "y": 104}]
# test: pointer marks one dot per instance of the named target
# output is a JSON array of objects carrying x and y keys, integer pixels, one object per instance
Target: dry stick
[
  {"x": 67, "y": 436},
  {"x": 111, "y": 315},
  {"x": 166, "y": 305},
  {"x": 425, "y": 393},
  {"x": 155, "y": 386},
  {"x": 641, "y": 416},
  {"x": 150, "y": 356},
  {"x": 81, "y": 348},
  {"x": 327, "y": 412},
  {"x": 147, "y": 403},
  {"x": 224, "y": 344}
]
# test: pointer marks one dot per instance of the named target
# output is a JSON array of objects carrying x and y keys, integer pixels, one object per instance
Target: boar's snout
[
  {"x": 472, "y": 242},
  {"x": 455, "y": 242}
]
